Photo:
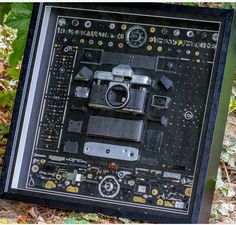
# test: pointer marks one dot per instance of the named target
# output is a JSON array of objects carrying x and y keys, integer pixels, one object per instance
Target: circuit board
[{"x": 122, "y": 101}]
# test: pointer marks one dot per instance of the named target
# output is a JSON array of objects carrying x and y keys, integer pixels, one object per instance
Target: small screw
[
  {"x": 61, "y": 22},
  {"x": 188, "y": 115}
]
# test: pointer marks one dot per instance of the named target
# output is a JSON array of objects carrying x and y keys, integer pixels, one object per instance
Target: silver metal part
[
  {"x": 142, "y": 189},
  {"x": 164, "y": 30},
  {"x": 120, "y": 72},
  {"x": 112, "y": 26},
  {"x": 35, "y": 168},
  {"x": 56, "y": 158},
  {"x": 122, "y": 174},
  {"x": 103, "y": 75},
  {"x": 110, "y": 44},
  {"x": 190, "y": 33},
  {"x": 31, "y": 181},
  {"x": 79, "y": 177},
  {"x": 75, "y": 22},
  {"x": 39, "y": 155},
  {"x": 215, "y": 37},
  {"x": 62, "y": 22},
  {"x": 131, "y": 182},
  {"x": 111, "y": 151},
  {"x": 74, "y": 160},
  {"x": 172, "y": 175},
  {"x": 188, "y": 52},
  {"x": 91, "y": 41},
  {"x": 137, "y": 103},
  {"x": 136, "y": 36},
  {"x": 82, "y": 92},
  {"x": 188, "y": 115},
  {"x": 179, "y": 205},
  {"x": 62, "y": 69},
  {"x": 87, "y": 24},
  {"x": 109, "y": 187},
  {"x": 176, "y": 33},
  {"x": 140, "y": 79},
  {"x": 204, "y": 35},
  {"x": 72, "y": 176}
]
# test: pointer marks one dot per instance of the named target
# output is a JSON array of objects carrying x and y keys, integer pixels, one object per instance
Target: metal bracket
[{"x": 111, "y": 151}]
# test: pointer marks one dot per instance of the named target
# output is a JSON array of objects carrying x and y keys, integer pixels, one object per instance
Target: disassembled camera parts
[{"x": 118, "y": 111}]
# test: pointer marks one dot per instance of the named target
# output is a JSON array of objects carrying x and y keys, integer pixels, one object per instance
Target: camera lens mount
[{"x": 117, "y": 95}]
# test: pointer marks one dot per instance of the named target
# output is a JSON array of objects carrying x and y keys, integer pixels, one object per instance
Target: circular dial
[
  {"x": 117, "y": 96},
  {"x": 109, "y": 187},
  {"x": 136, "y": 36}
]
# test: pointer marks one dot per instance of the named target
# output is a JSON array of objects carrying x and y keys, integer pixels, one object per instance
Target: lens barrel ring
[{"x": 113, "y": 87}]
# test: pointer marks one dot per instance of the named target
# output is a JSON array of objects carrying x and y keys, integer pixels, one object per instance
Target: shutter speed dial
[
  {"x": 109, "y": 187},
  {"x": 136, "y": 36}
]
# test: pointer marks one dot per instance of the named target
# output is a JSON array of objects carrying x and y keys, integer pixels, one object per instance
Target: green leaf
[
  {"x": 214, "y": 213},
  {"x": 22, "y": 9},
  {"x": 83, "y": 221},
  {"x": 14, "y": 73},
  {"x": 2, "y": 152},
  {"x": 75, "y": 215},
  {"x": 4, "y": 9},
  {"x": 76, "y": 218},
  {"x": 19, "y": 18},
  {"x": 4, "y": 129},
  {"x": 70, "y": 221},
  {"x": 7, "y": 98},
  {"x": 228, "y": 5},
  {"x": 19, "y": 15},
  {"x": 190, "y": 3},
  {"x": 232, "y": 103},
  {"x": 90, "y": 217},
  {"x": 18, "y": 50}
]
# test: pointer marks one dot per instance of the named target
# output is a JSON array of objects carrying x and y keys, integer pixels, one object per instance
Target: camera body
[{"x": 120, "y": 90}]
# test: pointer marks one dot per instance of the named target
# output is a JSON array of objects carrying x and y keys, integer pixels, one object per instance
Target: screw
[{"x": 188, "y": 115}]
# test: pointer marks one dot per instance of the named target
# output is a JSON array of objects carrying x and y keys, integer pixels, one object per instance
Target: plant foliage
[{"x": 19, "y": 18}]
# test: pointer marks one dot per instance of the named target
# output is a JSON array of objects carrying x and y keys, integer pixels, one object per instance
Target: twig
[
  {"x": 231, "y": 110},
  {"x": 227, "y": 174},
  {"x": 220, "y": 202}
]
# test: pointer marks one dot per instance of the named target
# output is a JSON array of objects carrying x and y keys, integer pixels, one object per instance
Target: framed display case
[{"x": 116, "y": 110}]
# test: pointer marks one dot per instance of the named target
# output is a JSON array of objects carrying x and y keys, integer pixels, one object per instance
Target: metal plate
[{"x": 111, "y": 151}]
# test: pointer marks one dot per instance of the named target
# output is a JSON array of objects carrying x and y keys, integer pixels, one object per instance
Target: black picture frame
[{"x": 207, "y": 169}]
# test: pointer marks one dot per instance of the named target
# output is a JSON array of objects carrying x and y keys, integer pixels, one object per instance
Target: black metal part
[{"x": 120, "y": 129}]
